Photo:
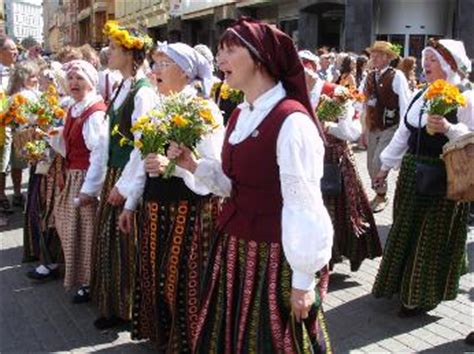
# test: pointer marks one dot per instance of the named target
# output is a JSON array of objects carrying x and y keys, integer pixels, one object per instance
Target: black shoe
[
  {"x": 406, "y": 312},
  {"x": 469, "y": 339},
  {"x": 5, "y": 206},
  {"x": 108, "y": 322},
  {"x": 82, "y": 295},
  {"x": 18, "y": 201},
  {"x": 33, "y": 274}
]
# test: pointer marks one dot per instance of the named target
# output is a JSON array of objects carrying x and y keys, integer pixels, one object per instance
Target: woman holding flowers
[
  {"x": 274, "y": 232},
  {"x": 424, "y": 254},
  {"x": 81, "y": 143},
  {"x": 114, "y": 253},
  {"x": 355, "y": 232},
  {"x": 23, "y": 86},
  {"x": 176, "y": 222}
]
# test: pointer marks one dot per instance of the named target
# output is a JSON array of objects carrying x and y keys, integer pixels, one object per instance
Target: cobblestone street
[{"x": 40, "y": 318}]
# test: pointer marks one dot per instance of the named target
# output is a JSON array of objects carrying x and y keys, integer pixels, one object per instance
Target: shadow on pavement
[{"x": 367, "y": 320}]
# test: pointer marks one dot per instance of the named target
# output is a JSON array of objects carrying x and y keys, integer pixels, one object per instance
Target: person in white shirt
[
  {"x": 424, "y": 255},
  {"x": 178, "y": 212},
  {"x": 114, "y": 261},
  {"x": 8, "y": 57},
  {"x": 108, "y": 79},
  {"x": 82, "y": 143},
  {"x": 355, "y": 231},
  {"x": 274, "y": 232},
  {"x": 387, "y": 95}
]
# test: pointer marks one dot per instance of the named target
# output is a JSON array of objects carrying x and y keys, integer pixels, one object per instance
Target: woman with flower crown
[
  {"x": 177, "y": 218},
  {"x": 114, "y": 254},
  {"x": 424, "y": 255},
  {"x": 274, "y": 233}
]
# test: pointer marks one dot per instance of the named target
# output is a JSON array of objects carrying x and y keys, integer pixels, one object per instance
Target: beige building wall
[{"x": 142, "y": 13}]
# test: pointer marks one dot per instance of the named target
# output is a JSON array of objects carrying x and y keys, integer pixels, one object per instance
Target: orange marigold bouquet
[
  {"x": 442, "y": 98},
  {"x": 47, "y": 111},
  {"x": 14, "y": 112}
]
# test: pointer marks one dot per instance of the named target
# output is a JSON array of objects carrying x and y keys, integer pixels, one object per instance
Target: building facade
[
  {"x": 92, "y": 16},
  {"x": 2, "y": 17},
  {"x": 24, "y": 18},
  {"x": 350, "y": 25}
]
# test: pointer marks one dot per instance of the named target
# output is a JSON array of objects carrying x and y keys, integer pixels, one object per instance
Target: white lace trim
[{"x": 298, "y": 192}]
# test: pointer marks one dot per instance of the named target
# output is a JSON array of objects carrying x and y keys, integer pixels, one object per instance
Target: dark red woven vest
[
  {"x": 253, "y": 211},
  {"x": 77, "y": 153}
]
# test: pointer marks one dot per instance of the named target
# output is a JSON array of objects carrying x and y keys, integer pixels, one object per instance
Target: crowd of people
[{"x": 233, "y": 252}]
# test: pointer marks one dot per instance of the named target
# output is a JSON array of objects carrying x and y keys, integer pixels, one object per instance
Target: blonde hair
[
  {"x": 68, "y": 53},
  {"x": 21, "y": 72}
]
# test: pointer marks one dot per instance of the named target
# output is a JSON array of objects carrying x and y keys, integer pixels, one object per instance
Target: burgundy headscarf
[{"x": 276, "y": 50}]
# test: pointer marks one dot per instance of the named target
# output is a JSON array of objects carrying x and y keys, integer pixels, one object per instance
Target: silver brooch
[{"x": 255, "y": 133}]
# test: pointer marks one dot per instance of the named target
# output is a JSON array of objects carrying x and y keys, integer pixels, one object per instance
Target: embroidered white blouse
[
  {"x": 307, "y": 232},
  {"x": 392, "y": 155},
  {"x": 134, "y": 175},
  {"x": 145, "y": 99},
  {"x": 95, "y": 132},
  {"x": 346, "y": 128}
]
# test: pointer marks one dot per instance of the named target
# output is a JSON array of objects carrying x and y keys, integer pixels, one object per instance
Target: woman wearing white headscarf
[
  {"x": 81, "y": 143},
  {"x": 424, "y": 255},
  {"x": 178, "y": 214}
]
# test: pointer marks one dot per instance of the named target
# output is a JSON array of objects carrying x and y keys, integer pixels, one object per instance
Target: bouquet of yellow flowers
[
  {"x": 47, "y": 111},
  {"x": 331, "y": 108},
  {"x": 34, "y": 151},
  {"x": 189, "y": 120},
  {"x": 227, "y": 93},
  {"x": 179, "y": 118},
  {"x": 152, "y": 130},
  {"x": 13, "y": 113},
  {"x": 442, "y": 98}
]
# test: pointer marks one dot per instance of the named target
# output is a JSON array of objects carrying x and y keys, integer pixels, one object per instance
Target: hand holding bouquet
[
  {"x": 442, "y": 98},
  {"x": 190, "y": 119},
  {"x": 331, "y": 108}
]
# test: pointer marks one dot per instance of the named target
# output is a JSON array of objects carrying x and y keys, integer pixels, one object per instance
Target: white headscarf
[
  {"x": 85, "y": 69},
  {"x": 195, "y": 66},
  {"x": 458, "y": 52}
]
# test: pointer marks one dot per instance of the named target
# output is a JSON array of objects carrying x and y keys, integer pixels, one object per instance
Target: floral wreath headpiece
[{"x": 130, "y": 39}]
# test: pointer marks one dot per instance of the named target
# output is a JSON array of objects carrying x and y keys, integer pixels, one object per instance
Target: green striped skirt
[
  {"x": 246, "y": 307},
  {"x": 114, "y": 257},
  {"x": 424, "y": 256}
]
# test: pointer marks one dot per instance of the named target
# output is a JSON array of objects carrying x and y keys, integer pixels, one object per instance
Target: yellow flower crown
[{"x": 129, "y": 39}]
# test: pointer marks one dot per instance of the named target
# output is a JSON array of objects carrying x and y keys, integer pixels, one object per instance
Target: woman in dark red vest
[
  {"x": 274, "y": 231},
  {"x": 81, "y": 143}
]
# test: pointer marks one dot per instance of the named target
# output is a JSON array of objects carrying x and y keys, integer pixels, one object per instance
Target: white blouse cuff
[
  {"x": 303, "y": 281},
  {"x": 456, "y": 130}
]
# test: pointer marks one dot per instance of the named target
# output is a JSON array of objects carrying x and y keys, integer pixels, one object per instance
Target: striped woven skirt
[
  {"x": 424, "y": 256},
  {"x": 174, "y": 241},
  {"x": 75, "y": 226},
  {"x": 246, "y": 304},
  {"x": 40, "y": 239},
  {"x": 355, "y": 232},
  {"x": 114, "y": 257},
  {"x": 32, "y": 229}
]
